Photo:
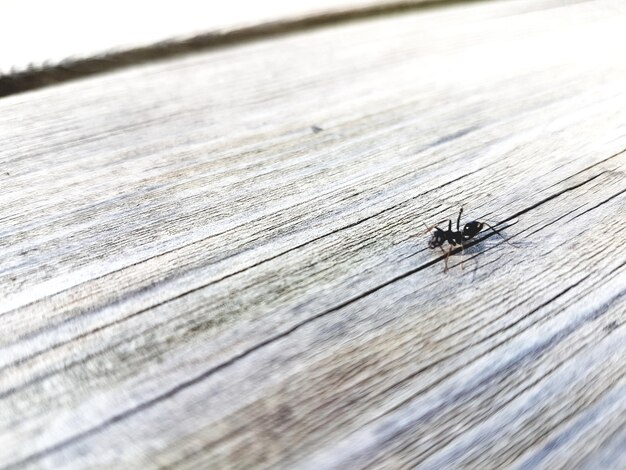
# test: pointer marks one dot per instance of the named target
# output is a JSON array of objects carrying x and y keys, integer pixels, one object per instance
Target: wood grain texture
[
  {"x": 76, "y": 30},
  {"x": 89, "y": 38},
  {"x": 192, "y": 276}
]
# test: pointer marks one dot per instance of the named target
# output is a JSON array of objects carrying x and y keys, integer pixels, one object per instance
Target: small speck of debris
[
  {"x": 611, "y": 326},
  {"x": 316, "y": 129}
]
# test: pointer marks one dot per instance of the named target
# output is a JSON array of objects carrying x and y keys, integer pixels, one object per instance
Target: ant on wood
[{"x": 458, "y": 237}]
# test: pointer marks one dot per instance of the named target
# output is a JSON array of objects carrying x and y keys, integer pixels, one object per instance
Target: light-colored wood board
[
  {"x": 188, "y": 265},
  {"x": 86, "y": 39},
  {"x": 77, "y": 30}
]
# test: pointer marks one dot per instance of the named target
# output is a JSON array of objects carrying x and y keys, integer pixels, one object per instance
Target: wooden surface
[
  {"x": 77, "y": 30},
  {"x": 87, "y": 38},
  {"x": 194, "y": 275}
]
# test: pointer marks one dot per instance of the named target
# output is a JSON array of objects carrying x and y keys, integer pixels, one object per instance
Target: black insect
[{"x": 458, "y": 237}]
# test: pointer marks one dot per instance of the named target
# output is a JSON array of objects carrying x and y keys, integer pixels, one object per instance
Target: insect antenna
[{"x": 428, "y": 229}]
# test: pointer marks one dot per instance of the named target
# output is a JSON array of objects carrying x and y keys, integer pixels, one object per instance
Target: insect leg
[
  {"x": 499, "y": 234},
  {"x": 462, "y": 253},
  {"x": 445, "y": 260},
  {"x": 458, "y": 221}
]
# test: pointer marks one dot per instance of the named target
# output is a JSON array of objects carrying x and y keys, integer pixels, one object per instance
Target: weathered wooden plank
[
  {"x": 193, "y": 268},
  {"x": 75, "y": 30},
  {"x": 84, "y": 39}
]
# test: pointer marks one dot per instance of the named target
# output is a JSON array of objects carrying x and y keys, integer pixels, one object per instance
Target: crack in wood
[{"x": 599, "y": 204}]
